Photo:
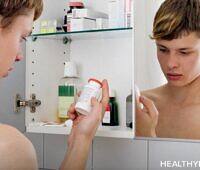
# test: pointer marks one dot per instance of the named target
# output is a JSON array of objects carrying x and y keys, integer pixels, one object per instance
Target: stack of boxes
[
  {"x": 88, "y": 19},
  {"x": 79, "y": 18},
  {"x": 120, "y": 15}
]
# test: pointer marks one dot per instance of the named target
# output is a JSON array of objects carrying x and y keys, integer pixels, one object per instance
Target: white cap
[
  {"x": 112, "y": 93},
  {"x": 70, "y": 69}
]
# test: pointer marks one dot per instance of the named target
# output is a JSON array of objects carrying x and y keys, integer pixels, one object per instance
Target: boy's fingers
[
  {"x": 72, "y": 112},
  {"x": 96, "y": 108},
  {"x": 71, "y": 116},
  {"x": 79, "y": 94},
  {"x": 149, "y": 105},
  {"x": 105, "y": 94},
  {"x": 72, "y": 108}
]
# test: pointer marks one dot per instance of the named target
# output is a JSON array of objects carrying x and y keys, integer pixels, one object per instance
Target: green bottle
[{"x": 111, "y": 117}]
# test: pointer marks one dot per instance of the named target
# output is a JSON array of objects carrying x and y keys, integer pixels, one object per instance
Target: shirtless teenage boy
[{"x": 173, "y": 110}]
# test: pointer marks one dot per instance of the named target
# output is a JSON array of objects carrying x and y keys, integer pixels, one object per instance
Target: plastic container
[{"x": 92, "y": 89}]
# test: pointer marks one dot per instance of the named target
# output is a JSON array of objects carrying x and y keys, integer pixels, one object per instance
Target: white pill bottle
[{"x": 92, "y": 89}]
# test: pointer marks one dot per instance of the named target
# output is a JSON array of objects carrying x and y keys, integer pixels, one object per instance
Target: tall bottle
[
  {"x": 67, "y": 90},
  {"x": 111, "y": 117}
]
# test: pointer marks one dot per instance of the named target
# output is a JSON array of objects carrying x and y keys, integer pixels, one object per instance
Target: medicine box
[
  {"x": 88, "y": 13},
  {"x": 101, "y": 23},
  {"x": 81, "y": 24},
  {"x": 116, "y": 12},
  {"x": 129, "y": 13},
  {"x": 48, "y": 26}
]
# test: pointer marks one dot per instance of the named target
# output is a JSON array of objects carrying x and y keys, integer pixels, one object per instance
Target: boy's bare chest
[{"x": 179, "y": 122}]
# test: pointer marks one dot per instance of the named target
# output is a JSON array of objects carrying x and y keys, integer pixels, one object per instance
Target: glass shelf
[
  {"x": 103, "y": 131},
  {"x": 88, "y": 34}
]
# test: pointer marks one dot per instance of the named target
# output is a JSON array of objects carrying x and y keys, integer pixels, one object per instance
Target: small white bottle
[{"x": 92, "y": 89}]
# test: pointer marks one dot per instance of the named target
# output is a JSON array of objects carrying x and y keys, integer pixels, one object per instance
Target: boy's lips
[{"x": 174, "y": 76}]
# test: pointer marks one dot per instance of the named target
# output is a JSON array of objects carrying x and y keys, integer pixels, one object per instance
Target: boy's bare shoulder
[
  {"x": 7, "y": 129},
  {"x": 155, "y": 94},
  {"x": 17, "y": 152},
  {"x": 10, "y": 136}
]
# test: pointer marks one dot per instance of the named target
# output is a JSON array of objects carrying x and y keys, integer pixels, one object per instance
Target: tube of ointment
[{"x": 137, "y": 97}]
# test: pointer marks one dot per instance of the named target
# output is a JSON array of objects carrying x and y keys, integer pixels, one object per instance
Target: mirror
[{"x": 171, "y": 107}]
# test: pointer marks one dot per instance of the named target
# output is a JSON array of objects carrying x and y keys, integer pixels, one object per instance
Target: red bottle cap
[
  {"x": 95, "y": 80},
  {"x": 76, "y": 4},
  {"x": 108, "y": 107}
]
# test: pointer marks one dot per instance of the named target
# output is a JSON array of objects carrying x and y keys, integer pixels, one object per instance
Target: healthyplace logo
[{"x": 180, "y": 164}]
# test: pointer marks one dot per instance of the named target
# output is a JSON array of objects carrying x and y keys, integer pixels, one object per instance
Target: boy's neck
[{"x": 186, "y": 94}]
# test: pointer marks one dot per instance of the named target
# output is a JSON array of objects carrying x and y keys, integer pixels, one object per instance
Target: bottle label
[
  {"x": 106, "y": 118},
  {"x": 64, "y": 105},
  {"x": 87, "y": 93}
]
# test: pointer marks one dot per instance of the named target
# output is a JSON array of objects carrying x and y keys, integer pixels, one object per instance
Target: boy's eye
[
  {"x": 184, "y": 53},
  {"x": 23, "y": 39},
  {"x": 163, "y": 50}
]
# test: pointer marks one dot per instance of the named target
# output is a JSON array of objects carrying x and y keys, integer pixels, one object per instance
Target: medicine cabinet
[{"x": 102, "y": 54}]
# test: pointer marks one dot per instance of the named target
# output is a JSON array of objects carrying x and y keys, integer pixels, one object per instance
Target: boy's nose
[{"x": 172, "y": 62}]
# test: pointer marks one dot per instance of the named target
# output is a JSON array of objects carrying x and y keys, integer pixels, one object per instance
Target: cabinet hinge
[{"x": 33, "y": 103}]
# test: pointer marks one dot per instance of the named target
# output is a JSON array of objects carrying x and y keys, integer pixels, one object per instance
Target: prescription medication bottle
[{"x": 92, "y": 89}]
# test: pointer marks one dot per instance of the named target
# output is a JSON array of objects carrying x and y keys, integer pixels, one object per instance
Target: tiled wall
[{"x": 117, "y": 154}]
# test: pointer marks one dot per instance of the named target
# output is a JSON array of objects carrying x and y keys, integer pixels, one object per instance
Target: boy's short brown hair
[
  {"x": 176, "y": 18},
  {"x": 9, "y": 9}
]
